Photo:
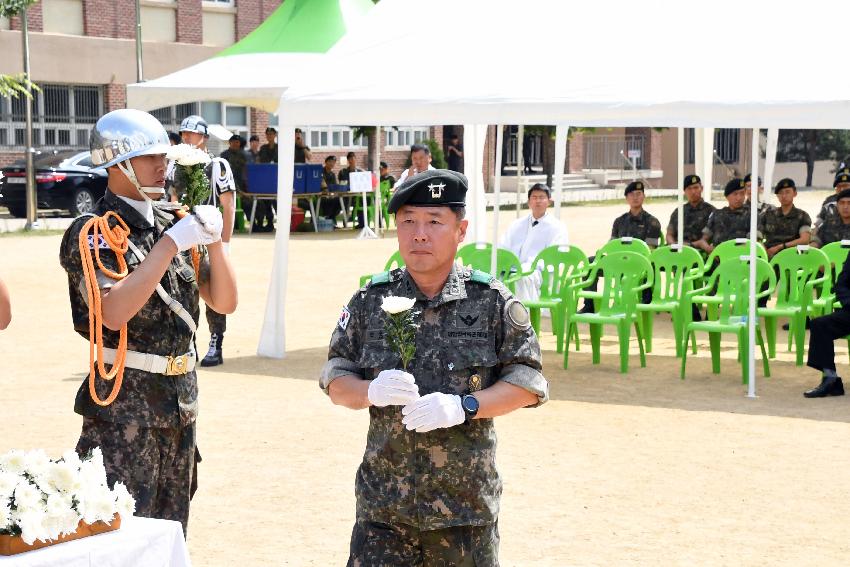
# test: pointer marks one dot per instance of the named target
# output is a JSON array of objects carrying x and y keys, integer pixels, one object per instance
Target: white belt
[{"x": 168, "y": 365}]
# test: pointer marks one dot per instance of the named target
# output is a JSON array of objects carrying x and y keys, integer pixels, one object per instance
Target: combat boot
[
  {"x": 214, "y": 356},
  {"x": 829, "y": 386}
]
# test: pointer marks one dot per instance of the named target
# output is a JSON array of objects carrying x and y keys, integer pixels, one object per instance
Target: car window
[
  {"x": 85, "y": 162},
  {"x": 53, "y": 159}
]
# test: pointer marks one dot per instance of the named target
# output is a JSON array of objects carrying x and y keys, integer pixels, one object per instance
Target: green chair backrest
[
  {"x": 836, "y": 252},
  {"x": 734, "y": 249},
  {"x": 621, "y": 274},
  {"x": 625, "y": 244},
  {"x": 673, "y": 265},
  {"x": 478, "y": 256},
  {"x": 797, "y": 267},
  {"x": 395, "y": 261},
  {"x": 731, "y": 279},
  {"x": 558, "y": 264}
]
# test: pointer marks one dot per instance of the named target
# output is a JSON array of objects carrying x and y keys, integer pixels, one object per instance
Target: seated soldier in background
[
  {"x": 840, "y": 183},
  {"x": 748, "y": 185},
  {"x": 834, "y": 228},
  {"x": 331, "y": 206},
  {"x": 696, "y": 212},
  {"x": 637, "y": 223},
  {"x": 728, "y": 223},
  {"x": 784, "y": 226}
]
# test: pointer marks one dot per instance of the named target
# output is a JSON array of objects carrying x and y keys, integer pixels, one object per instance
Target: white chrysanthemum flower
[
  {"x": 72, "y": 458},
  {"x": 27, "y": 496},
  {"x": 5, "y": 514},
  {"x": 36, "y": 462},
  {"x": 32, "y": 526},
  {"x": 64, "y": 477},
  {"x": 13, "y": 462},
  {"x": 91, "y": 476},
  {"x": 125, "y": 504},
  {"x": 97, "y": 504},
  {"x": 8, "y": 482},
  {"x": 395, "y": 305},
  {"x": 187, "y": 155}
]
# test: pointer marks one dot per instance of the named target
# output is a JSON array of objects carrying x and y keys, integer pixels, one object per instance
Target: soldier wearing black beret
[
  {"x": 637, "y": 223},
  {"x": 839, "y": 184},
  {"x": 748, "y": 183},
  {"x": 696, "y": 212},
  {"x": 475, "y": 357},
  {"x": 784, "y": 226},
  {"x": 835, "y": 227},
  {"x": 730, "y": 222}
]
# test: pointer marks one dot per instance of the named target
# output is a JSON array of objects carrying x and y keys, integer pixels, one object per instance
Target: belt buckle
[{"x": 177, "y": 365}]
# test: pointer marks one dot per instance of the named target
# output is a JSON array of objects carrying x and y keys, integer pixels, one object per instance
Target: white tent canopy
[{"x": 615, "y": 63}]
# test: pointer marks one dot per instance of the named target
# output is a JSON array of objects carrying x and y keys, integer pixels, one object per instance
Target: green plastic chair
[
  {"x": 625, "y": 275},
  {"x": 395, "y": 261},
  {"x": 675, "y": 270},
  {"x": 558, "y": 266},
  {"x": 625, "y": 244},
  {"x": 836, "y": 253},
  {"x": 385, "y": 189},
  {"x": 802, "y": 271},
  {"x": 731, "y": 250},
  {"x": 478, "y": 256},
  {"x": 731, "y": 279}
]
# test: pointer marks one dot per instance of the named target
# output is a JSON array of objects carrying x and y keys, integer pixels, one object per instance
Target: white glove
[
  {"x": 433, "y": 411},
  {"x": 189, "y": 231},
  {"x": 226, "y": 247},
  {"x": 393, "y": 388},
  {"x": 210, "y": 217}
]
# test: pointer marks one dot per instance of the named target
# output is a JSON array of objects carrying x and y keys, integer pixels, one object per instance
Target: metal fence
[
  {"x": 603, "y": 151},
  {"x": 532, "y": 148},
  {"x": 727, "y": 144},
  {"x": 63, "y": 116}
]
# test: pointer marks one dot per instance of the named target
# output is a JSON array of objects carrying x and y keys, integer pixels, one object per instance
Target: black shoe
[
  {"x": 829, "y": 386},
  {"x": 214, "y": 356}
]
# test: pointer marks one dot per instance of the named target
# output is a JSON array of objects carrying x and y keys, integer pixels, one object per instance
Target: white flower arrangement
[
  {"x": 187, "y": 155},
  {"x": 43, "y": 499},
  {"x": 400, "y": 327}
]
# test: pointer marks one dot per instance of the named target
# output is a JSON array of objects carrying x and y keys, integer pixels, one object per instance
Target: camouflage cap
[
  {"x": 734, "y": 185},
  {"x": 431, "y": 188},
  {"x": 784, "y": 184},
  {"x": 633, "y": 186},
  {"x": 690, "y": 180}
]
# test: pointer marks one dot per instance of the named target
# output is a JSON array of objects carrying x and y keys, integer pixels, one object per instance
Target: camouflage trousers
[
  {"x": 217, "y": 321},
  {"x": 375, "y": 544},
  {"x": 156, "y": 464}
]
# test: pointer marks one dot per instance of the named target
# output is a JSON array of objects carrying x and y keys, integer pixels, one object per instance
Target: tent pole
[
  {"x": 520, "y": 166},
  {"x": 273, "y": 334},
  {"x": 708, "y": 161},
  {"x": 770, "y": 162},
  {"x": 497, "y": 190},
  {"x": 680, "y": 174},
  {"x": 751, "y": 316},
  {"x": 561, "y": 131},
  {"x": 376, "y": 168}
]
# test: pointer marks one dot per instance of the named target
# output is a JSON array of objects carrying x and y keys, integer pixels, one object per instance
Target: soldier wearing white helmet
[
  {"x": 194, "y": 131},
  {"x": 134, "y": 294}
]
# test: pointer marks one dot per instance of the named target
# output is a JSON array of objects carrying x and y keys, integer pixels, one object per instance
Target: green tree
[
  {"x": 14, "y": 85},
  {"x": 811, "y": 146}
]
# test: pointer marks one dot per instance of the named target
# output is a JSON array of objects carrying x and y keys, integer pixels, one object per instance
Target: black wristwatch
[{"x": 469, "y": 404}]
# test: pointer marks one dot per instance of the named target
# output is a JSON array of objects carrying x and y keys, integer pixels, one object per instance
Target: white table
[{"x": 138, "y": 542}]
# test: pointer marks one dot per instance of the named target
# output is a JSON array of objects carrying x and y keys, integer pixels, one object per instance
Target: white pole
[
  {"x": 376, "y": 167},
  {"x": 561, "y": 131},
  {"x": 497, "y": 190},
  {"x": 680, "y": 175},
  {"x": 520, "y": 166},
  {"x": 751, "y": 317},
  {"x": 770, "y": 162},
  {"x": 708, "y": 162}
]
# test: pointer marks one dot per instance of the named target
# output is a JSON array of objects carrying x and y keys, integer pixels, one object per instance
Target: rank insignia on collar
[{"x": 436, "y": 190}]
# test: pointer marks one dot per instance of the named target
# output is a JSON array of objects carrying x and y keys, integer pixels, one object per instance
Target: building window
[
  {"x": 232, "y": 117},
  {"x": 63, "y": 16},
  {"x": 405, "y": 136},
  {"x": 63, "y": 116},
  {"x": 727, "y": 144},
  {"x": 220, "y": 3},
  {"x": 333, "y": 138}
]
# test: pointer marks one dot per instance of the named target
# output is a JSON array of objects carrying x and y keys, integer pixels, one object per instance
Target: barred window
[
  {"x": 406, "y": 136},
  {"x": 727, "y": 144},
  {"x": 332, "y": 138}
]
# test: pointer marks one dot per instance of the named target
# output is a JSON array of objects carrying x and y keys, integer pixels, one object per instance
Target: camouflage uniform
[
  {"x": 148, "y": 433},
  {"x": 727, "y": 224},
  {"x": 778, "y": 228},
  {"x": 828, "y": 208},
  {"x": 216, "y": 321},
  {"x": 445, "y": 480},
  {"x": 643, "y": 227},
  {"x": 833, "y": 229},
  {"x": 695, "y": 220}
]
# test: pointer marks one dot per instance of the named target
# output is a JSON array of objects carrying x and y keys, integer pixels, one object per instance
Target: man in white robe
[{"x": 528, "y": 235}]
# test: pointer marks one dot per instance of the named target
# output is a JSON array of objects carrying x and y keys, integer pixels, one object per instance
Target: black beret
[
  {"x": 843, "y": 194},
  {"x": 733, "y": 185},
  {"x": 690, "y": 180},
  {"x": 634, "y": 186},
  {"x": 748, "y": 178},
  {"x": 431, "y": 188},
  {"x": 842, "y": 177},
  {"x": 784, "y": 184}
]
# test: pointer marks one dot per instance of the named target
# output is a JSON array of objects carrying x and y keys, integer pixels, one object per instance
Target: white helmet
[{"x": 195, "y": 123}]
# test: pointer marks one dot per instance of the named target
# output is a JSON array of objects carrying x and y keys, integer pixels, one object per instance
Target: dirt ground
[{"x": 637, "y": 469}]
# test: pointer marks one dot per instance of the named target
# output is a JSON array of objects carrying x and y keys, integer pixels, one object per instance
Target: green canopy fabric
[{"x": 300, "y": 26}]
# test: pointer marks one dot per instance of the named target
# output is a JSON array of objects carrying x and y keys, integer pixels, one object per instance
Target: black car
[{"x": 64, "y": 180}]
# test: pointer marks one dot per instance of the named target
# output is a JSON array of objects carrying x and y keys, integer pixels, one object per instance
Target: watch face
[{"x": 470, "y": 404}]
